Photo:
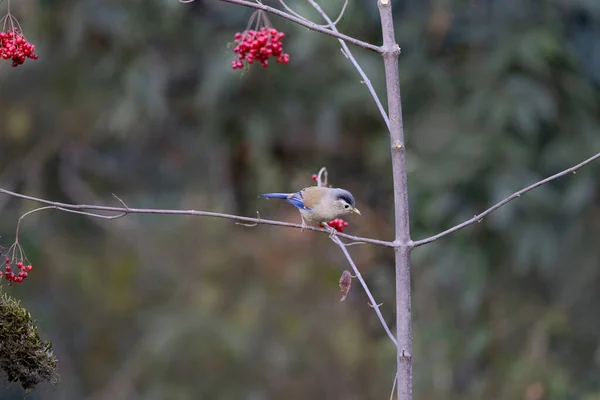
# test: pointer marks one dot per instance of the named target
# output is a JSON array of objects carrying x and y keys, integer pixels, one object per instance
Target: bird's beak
[{"x": 355, "y": 210}]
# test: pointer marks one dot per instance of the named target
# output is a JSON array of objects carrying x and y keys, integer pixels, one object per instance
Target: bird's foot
[{"x": 332, "y": 231}]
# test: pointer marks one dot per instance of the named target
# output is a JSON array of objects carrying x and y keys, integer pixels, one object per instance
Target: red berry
[
  {"x": 29, "y": 268},
  {"x": 314, "y": 177},
  {"x": 7, "y": 260},
  {"x": 252, "y": 46},
  {"x": 8, "y": 268},
  {"x": 16, "y": 47}
]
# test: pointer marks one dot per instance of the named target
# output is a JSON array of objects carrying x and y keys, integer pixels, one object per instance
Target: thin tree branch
[
  {"x": 341, "y": 14},
  {"x": 78, "y": 208},
  {"x": 339, "y": 18},
  {"x": 54, "y": 207},
  {"x": 294, "y": 12},
  {"x": 373, "y": 303},
  {"x": 349, "y": 56},
  {"x": 304, "y": 22},
  {"x": 513, "y": 196},
  {"x": 393, "y": 387}
]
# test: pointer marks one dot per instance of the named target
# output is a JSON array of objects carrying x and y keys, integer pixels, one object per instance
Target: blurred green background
[{"x": 138, "y": 98}]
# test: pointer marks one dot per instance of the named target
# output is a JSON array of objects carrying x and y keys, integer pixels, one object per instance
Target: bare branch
[
  {"x": 55, "y": 207},
  {"x": 513, "y": 196},
  {"x": 294, "y": 12},
  {"x": 354, "y": 243},
  {"x": 93, "y": 215},
  {"x": 250, "y": 225},
  {"x": 79, "y": 209},
  {"x": 304, "y": 22},
  {"x": 306, "y": 19},
  {"x": 393, "y": 387},
  {"x": 374, "y": 304},
  {"x": 349, "y": 56},
  {"x": 322, "y": 177},
  {"x": 338, "y": 19}
]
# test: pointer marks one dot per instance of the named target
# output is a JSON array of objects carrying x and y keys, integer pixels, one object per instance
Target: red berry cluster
[
  {"x": 338, "y": 224},
  {"x": 11, "y": 277},
  {"x": 14, "y": 45},
  {"x": 259, "y": 45}
]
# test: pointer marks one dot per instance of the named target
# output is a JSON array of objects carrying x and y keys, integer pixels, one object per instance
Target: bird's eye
[{"x": 346, "y": 206}]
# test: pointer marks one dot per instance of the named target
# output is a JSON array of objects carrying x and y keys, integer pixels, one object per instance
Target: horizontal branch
[
  {"x": 128, "y": 210},
  {"x": 310, "y": 25},
  {"x": 478, "y": 217}
]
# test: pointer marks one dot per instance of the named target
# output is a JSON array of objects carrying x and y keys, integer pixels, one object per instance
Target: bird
[{"x": 319, "y": 204}]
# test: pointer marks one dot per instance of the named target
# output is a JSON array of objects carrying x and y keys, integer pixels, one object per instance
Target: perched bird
[{"x": 319, "y": 204}]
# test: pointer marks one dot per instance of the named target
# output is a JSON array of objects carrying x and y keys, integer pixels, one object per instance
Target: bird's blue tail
[{"x": 275, "y": 195}]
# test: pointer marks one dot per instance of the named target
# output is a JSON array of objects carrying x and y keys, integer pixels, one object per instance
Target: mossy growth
[{"x": 24, "y": 357}]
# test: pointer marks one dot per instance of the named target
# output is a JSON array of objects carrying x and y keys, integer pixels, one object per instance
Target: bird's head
[{"x": 344, "y": 202}]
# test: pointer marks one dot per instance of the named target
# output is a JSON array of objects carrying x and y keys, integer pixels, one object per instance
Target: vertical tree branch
[{"x": 391, "y": 51}]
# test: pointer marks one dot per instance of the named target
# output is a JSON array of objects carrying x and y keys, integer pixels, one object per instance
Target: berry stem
[{"x": 23, "y": 216}]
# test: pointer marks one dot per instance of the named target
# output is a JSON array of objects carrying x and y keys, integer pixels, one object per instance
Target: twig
[
  {"x": 349, "y": 56},
  {"x": 250, "y": 225},
  {"x": 304, "y": 22},
  {"x": 393, "y": 387},
  {"x": 373, "y": 303},
  {"x": 55, "y": 207},
  {"x": 353, "y": 243},
  {"x": 294, "y": 12},
  {"x": 78, "y": 209},
  {"x": 513, "y": 196},
  {"x": 306, "y": 19},
  {"x": 338, "y": 19},
  {"x": 322, "y": 177}
]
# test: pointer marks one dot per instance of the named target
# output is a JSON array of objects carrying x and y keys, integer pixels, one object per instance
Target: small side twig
[
  {"x": 322, "y": 177},
  {"x": 89, "y": 214},
  {"x": 288, "y": 8},
  {"x": 394, "y": 387},
  {"x": 339, "y": 18},
  {"x": 250, "y": 225},
  {"x": 282, "y": 2}
]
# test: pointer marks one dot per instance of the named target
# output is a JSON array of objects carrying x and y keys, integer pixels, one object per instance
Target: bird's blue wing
[{"x": 296, "y": 199}]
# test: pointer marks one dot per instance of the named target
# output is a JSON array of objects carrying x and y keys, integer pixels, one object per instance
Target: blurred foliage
[
  {"x": 137, "y": 98},
  {"x": 24, "y": 357}
]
